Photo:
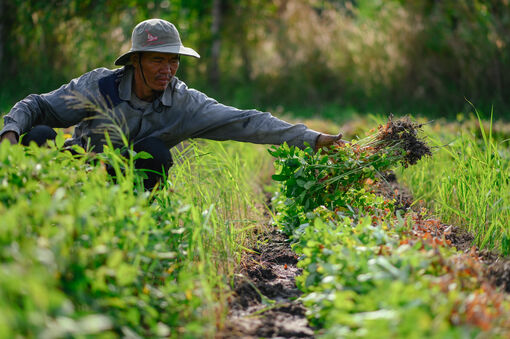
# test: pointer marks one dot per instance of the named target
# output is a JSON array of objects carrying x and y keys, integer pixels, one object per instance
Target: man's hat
[{"x": 155, "y": 35}]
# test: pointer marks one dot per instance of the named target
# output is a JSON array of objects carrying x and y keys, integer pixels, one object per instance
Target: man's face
[{"x": 158, "y": 69}]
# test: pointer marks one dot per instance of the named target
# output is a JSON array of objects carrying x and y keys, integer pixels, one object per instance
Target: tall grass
[
  {"x": 82, "y": 255},
  {"x": 226, "y": 179},
  {"x": 467, "y": 183}
]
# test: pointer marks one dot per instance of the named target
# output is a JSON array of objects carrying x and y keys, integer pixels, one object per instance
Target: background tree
[{"x": 318, "y": 56}]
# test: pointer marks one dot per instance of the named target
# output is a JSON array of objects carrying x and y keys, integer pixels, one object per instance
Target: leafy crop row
[
  {"x": 372, "y": 271},
  {"x": 82, "y": 255}
]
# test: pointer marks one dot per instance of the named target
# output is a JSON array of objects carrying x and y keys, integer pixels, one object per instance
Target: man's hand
[
  {"x": 326, "y": 140},
  {"x": 11, "y": 136}
]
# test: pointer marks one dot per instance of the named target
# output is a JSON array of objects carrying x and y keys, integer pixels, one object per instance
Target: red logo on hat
[{"x": 151, "y": 37}]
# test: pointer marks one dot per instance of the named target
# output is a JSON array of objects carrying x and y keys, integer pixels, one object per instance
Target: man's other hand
[
  {"x": 326, "y": 140},
  {"x": 11, "y": 136}
]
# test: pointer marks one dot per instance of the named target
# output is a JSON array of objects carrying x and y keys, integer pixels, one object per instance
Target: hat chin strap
[{"x": 141, "y": 69}]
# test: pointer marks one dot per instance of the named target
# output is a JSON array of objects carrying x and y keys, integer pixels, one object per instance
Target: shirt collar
[
  {"x": 125, "y": 84},
  {"x": 125, "y": 87},
  {"x": 166, "y": 98}
]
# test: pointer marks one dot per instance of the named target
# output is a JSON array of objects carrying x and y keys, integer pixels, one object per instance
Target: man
[{"x": 154, "y": 108}]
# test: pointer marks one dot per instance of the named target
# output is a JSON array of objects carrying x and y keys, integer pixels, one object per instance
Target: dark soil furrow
[{"x": 264, "y": 302}]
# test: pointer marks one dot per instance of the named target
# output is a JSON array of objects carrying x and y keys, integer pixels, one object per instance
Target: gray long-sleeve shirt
[{"x": 178, "y": 114}]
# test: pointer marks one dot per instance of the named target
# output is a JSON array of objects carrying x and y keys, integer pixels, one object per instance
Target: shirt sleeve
[
  {"x": 216, "y": 121},
  {"x": 52, "y": 109}
]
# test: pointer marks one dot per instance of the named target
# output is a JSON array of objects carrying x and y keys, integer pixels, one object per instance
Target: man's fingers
[
  {"x": 340, "y": 142},
  {"x": 326, "y": 140}
]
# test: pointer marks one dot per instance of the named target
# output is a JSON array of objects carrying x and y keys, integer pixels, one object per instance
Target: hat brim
[{"x": 174, "y": 49}]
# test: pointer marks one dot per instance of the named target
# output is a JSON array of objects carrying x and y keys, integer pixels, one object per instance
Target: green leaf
[
  {"x": 309, "y": 184},
  {"x": 279, "y": 177},
  {"x": 126, "y": 274},
  {"x": 143, "y": 155},
  {"x": 301, "y": 183}
]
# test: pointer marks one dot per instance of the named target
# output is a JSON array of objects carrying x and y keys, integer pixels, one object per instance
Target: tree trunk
[
  {"x": 7, "y": 63},
  {"x": 214, "y": 64}
]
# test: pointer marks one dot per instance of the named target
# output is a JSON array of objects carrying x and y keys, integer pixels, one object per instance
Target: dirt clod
[
  {"x": 405, "y": 132},
  {"x": 499, "y": 274}
]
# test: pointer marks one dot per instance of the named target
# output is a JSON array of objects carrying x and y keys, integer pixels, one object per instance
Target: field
[
  {"x": 242, "y": 242},
  {"x": 401, "y": 233}
]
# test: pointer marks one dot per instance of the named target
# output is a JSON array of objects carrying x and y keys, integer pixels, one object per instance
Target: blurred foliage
[
  {"x": 317, "y": 57},
  {"x": 83, "y": 255}
]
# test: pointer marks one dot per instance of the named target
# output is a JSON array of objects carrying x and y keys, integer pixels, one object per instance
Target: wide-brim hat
[{"x": 155, "y": 35}]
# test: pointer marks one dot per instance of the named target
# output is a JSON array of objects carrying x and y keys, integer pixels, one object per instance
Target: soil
[
  {"x": 264, "y": 302},
  {"x": 496, "y": 267},
  {"x": 390, "y": 188}
]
